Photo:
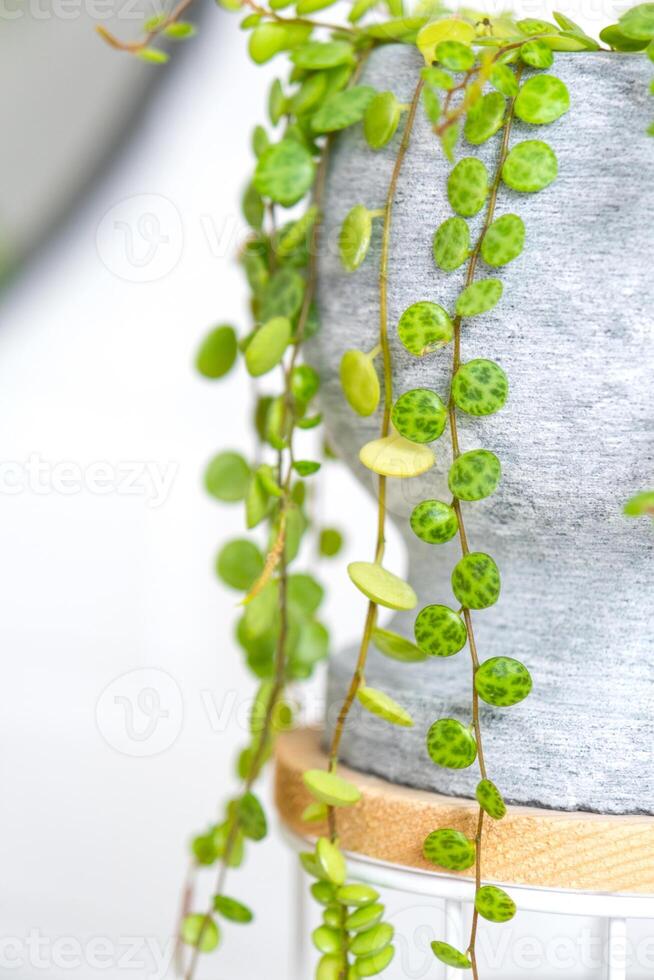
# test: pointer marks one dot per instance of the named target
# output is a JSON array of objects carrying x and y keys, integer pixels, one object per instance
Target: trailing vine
[{"x": 478, "y": 77}]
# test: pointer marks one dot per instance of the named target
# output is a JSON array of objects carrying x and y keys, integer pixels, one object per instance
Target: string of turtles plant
[{"x": 278, "y": 629}]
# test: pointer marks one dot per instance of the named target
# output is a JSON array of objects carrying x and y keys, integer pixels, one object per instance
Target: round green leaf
[
  {"x": 434, "y": 521},
  {"x": 537, "y": 54},
  {"x": 504, "y": 80},
  {"x": 530, "y": 25},
  {"x": 420, "y": 415},
  {"x": 451, "y": 744},
  {"x": 475, "y": 475},
  {"x": 364, "y": 918},
  {"x": 230, "y": 909},
  {"x": 285, "y": 172},
  {"x": 330, "y": 967},
  {"x": 310, "y": 93},
  {"x": 455, "y": 55},
  {"x": 370, "y": 966},
  {"x": 502, "y": 681},
  {"x": 239, "y": 564},
  {"x": 356, "y": 895},
  {"x": 494, "y": 904},
  {"x": 642, "y": 505},
  {"x": 331, "y": 861},
  {"x": 396, "y": 647},
  {"x": 480, "y": 387},
  {"x": 451, "y": 244},
  {"x": 282, "y": 295},
  {"x": 201, "y": 931},
  {"x": 542, "y": 99},
  {"x": 327, "y": 787},
  {"x": 476, "y": 581},
  {"x": 479, "y": 297},
  {"x": 323, "y": 891},
  {"x": 639, "y": 22},
  {"x": 251, "y": 817},
  {"x": 381, "y": 704},
  {"x": 490, "y": 799},
  {"x": 372, "y": 940},
  {"x": 227, "y": 477},
  {"x": 616, "y": 39},
  {"x": 440, "y": 631},
  {"x": 381, "y": 586},
  {"x": 359, "y": 382},
  {"x": 354, "y": 237},
  {"x": 424, "y": 328},
  {"x": 381, "y": 119},
  {"x": 217, "y": 352},
  {"x": 269, "y": 39},
  {"x": 319, "y": 54},
  {"x": 504, "y": 240},
  {"x": 530, "y": 166},
  {"x": 305, "y": 382},
  {"x": 330, "y": 542},
  {"x": 449, "y": 849},
  {"x": 450, "y": 956},
  {"x": 326, "y": 939},
  {"x": 266, "y": 349},
  {"x": 484, "y": 118},
  {"x": 448, "y": 29},
  {"x": 342, "y": 109},
  {"x": 467, "y": 186}
]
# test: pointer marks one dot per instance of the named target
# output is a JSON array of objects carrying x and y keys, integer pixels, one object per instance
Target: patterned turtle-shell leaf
[
  {"x": 479, "y": 297},
  {"x": 530, "y": 166},
  {"x": 434, "y": 521},
  {"x": 440, "y": 631},
  {"x": 424, "y": 327},
  {"x": 476, "y": 581},
  {"x": 451, "y": 244},
  {"x": 420, "y": 415},
  {"x": 541, "y": 100},
  {"x": 503, "y": 681},
  {"x": 504, "y": 240},
  {"x": 449, "y": 849},
  {"x": 475, "y": 475},
  {"x": 484, "y": 118},
  {"x": 467, "y": 186},
  {"x": 490, "y": 799},
  {"x": 450, "y": 744},
  {"x": 450, "y": 956},
  {"x": 480, "y": 387},
  {"x": 494, "y": 904}
]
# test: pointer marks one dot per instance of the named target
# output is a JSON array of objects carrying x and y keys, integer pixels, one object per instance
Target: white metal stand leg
[
  {"x": 453, "y": 912},
  {"x": 616, "y": 949},
  {"x": 301, "y": 923}
]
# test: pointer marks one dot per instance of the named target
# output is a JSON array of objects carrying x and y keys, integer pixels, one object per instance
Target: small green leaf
[
  {"x": 448, "y": 29},
  {"x": 331, "y": 861},
  {"x": 342, "y": 109},
  {"x": 326, "y": 939},
  {"x": 372, "y": 940},
  {"x": 638, "y": 23},
  {"x": 322, "y": 891},
  {"x": 619, "y": 41},
  {"x": 330, "y": 542},
  {"x": 282, "y": 295},
  {"x": 227, "y": 477},
  {"x": 434, "y": 522},
  {"x": 305, "y": 382},
  {"x": 267, "y": 347},
  {"x": 310, "y": 93},
  {"x": 381, "y": 119},
  {"x": 393, "y": 455},
  {"x": 479, "y": 297},
  {"x": 537, "y": 54},
  {"x": 364, "y": 917},
  {"x": 450, "y": 956},
  {"x": 359, "y": 382},
  {"x": 530, "y": 26},
  {"x": 504, "y": 240},
  {"x": 201, "y": 931},
  {"x": 253, "y": 210},
  {"x": 494, "y": 904},
  {"x": 370, "y": 966},
  {"x": 455, "y": 55},
  {"x": 484, "y": 118},
  {"x": 467, "y": 186},
  {"x": 424, "y": 328},
  {"x": 354, "y": 237},
  {"x": 490, "y": 799},
  {"x": 440, "y": 631},
  {"x": 381, "y": 704},
  {"x": 396, "y": 647},
  {"x": 449, "y": 138},
  {"x": 330, "y": 967},
  {"x": 642, "y": 505},
  {"x": 306, "y": 467},
  {"x": 451, "y": 244},
  {"x": 449, "y": 849},
  {"x": 541, "y": 100},
  {"x": 356, "y": 895},
  {"x": 153, "y": 56},
  {"x": 276, "y": 102},
  {"x": 480, "y": 387},
  {"x": 230, "y": 909},
  {"x": 502, "y": 682},
  {"x": 451, "y": 744},
  {"x": 420, "y": 415},
  {"x": 239, "y": 564},
  {"x": 475, "y": 475},
  {"x": 381, "y": 586},
  {"x": 180, "y": 31},
  {"x": 251, "y": 817},
  {"x": 437, "y": 78},
  {"x": 530, "y": 166},
  {"x": 327, "y": 787},
  {"x": 316, "y": 813},
  {"x": 504, "y": 80},
  {"x": 476, "y": 581},
  {"x": 304, "y": 7},
  {"x": 432, "y": 104},
  {"x": 268, "y": 39},
  {"x": 322, "y": 54},
  {"x": 285, "y": 171}
]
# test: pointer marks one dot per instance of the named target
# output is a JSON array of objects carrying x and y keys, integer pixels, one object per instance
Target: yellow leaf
[
  {"x": 394, "y": 455},
  {"x": 449, "y": 29}
]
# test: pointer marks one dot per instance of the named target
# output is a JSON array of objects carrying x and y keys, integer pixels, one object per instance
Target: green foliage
[
  {"x": 354, "y": 237},
  {"x": 440, "y": 631},
  {"x": 239, "y": 564},
  {"x": 449, "y": 849},
  {"x": 494, "y": 904},
  {"x": 451, "y": 744},
  {"x": 480, "y": 387},
  {"x": 434, "y": 522},
  {"x": 217, "y": 352},
  {"x": 381, "y": 704},
  {"x": 503, "y": 681},
  {"x": 479, "y": 297},
  {"x": 227, "y": 477},
  {"x": 484, "y": 118},
  {"x": 342, "y": 109},
  {"x": 451, "y": 244},
  {"x": 396, "y": 647},
  {"x": 284, "y": 172},
  {"x": 504, "y": 240},
  {"x": 359, "y": 382},
  {"x": 450, "y": 956},
  {"x": 475, "y": 475},
  {"x": 476, "y": 581},
  {"x": 530, "y": 166},
  {"x": 327, "y": 787},
  {"x": 420, "y": 415},
  {"x": 381, "y": 586},
  {"x": 537, "y": 54},
  {"x": 490, "y": 799},
  {"x": 381, "y": 119},
  {"x": 230, "y": 909},
  {"x": 266, "y": 349},
  {"x": 542, "y": 99},
  {"x": 201, "y": 931},
  {"x": 424, "y": 328},
  {"x": 467, "y": 187}
]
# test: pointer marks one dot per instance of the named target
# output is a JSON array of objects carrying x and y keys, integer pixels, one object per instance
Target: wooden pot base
[{"x": 530, "y": 846}]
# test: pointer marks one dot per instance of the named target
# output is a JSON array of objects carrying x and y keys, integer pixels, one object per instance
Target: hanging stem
[
  {"x": 465, "y": 549},
  {"x": 371, "y": 614}
]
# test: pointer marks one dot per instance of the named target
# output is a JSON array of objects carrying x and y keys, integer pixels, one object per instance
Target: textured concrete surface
[{"x": 574, "y": 333}]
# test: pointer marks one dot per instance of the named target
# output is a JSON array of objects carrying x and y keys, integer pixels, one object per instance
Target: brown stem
[
  {"x": 273, "y": 15},
  {"x": 134, "y": 47}
]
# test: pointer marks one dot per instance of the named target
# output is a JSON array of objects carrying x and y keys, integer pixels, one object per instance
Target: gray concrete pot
[{"x": 574, "y": 333}]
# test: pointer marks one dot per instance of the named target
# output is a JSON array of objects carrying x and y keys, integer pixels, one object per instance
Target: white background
[{"x": 97, "y": 368}]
